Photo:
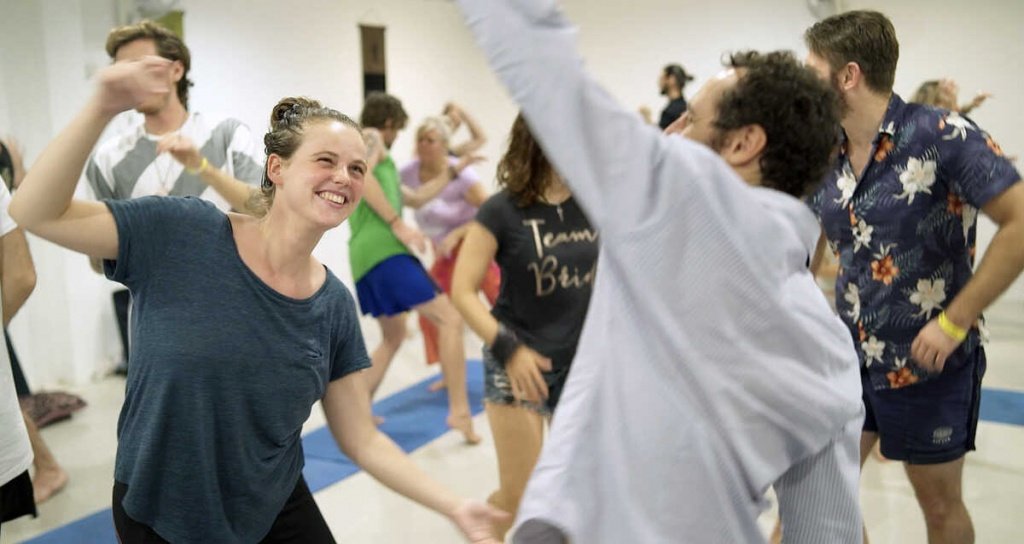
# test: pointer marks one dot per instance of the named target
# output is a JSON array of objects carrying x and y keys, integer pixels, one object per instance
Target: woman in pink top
[{"x": 445, "y": 218}]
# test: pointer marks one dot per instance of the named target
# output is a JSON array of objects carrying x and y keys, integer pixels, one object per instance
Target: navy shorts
[
  {"x": 396, "y": 285},
  {"x": 930, "y": 422}
]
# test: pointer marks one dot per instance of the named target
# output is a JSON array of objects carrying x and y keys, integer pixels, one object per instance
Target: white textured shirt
[
  {"x": 15, "y": 450},
  {"x": 128, "y": 166},
  {"x": 710, "y": 361}
]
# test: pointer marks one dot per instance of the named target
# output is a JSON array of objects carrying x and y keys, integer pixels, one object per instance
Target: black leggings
[{"x": 300, "y": 521}]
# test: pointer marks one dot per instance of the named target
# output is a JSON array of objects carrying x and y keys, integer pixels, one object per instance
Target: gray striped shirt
[{"x": 127, "y": 165}]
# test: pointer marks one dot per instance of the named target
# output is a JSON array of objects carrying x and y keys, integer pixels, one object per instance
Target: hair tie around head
[{"x": 288, "y": 115}]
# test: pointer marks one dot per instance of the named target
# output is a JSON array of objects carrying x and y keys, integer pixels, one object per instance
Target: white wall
[
  {"x": 66, "y": 331},
  {"x": 5, "y": 122},
  {"x": 245, "y": 67},
  {"x": 249, "y": 53}
]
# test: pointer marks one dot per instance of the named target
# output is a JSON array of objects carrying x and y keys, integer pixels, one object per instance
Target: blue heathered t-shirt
[{"x": 224, "y": 372}]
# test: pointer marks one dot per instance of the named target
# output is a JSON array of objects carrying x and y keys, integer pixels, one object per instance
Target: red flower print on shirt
[
  {"x": 901, "y": 378},
  {"x": 885, "y": 145},
  {"x": 954, "y": 204},
  {"x": 884, "y": 270}
]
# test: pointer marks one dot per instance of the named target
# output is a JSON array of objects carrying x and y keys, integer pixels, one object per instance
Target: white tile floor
[{"x": 361, "y": 511}]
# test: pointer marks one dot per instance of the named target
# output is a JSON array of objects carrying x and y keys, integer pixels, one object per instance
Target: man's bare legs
[
  {"x": 392, "y": 332},
  {"x": 49, "y": 477},
  {"x": 441, "y": 312},
  {"x": 940, "y": 493}
]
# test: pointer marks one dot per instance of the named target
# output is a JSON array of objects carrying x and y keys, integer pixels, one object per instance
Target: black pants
[
  {"x": 17, "y": 499},
  {"x": 300, "y": 521}
]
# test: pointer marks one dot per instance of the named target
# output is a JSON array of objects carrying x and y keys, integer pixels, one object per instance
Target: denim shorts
[
  {"x": 930, "y": 422},
  {"x": 498, "y": 388}
]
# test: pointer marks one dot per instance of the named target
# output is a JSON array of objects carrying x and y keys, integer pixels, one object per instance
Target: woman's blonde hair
[
  {"x": 927, "y": 93},
  {"x": 436, "y": 124}
]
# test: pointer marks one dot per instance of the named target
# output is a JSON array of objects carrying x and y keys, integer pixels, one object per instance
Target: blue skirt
[{"x": 394, "y": 286}]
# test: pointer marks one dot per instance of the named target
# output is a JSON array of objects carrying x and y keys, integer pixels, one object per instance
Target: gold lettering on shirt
[
  {"x": 535, "y": 226},
  {"x": 552, "y": 239},
  {"x": 548, "y": 276},
  {"x": 544, "y": 274}
]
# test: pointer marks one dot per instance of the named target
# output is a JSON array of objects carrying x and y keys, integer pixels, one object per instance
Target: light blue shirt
[{"x": 710, "y": 361}]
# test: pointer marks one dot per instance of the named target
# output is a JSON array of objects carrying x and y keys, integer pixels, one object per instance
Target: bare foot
[
  {"x": 464, "y": 424},
  {"x": 47, "y": 483},
  {"x": 436, "y": 386}
]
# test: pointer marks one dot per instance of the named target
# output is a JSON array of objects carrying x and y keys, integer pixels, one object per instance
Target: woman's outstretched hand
[{"x": 476, "y": 521}]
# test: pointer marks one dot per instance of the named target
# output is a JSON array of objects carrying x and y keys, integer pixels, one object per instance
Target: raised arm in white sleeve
[{"x": 609, "y": 157}]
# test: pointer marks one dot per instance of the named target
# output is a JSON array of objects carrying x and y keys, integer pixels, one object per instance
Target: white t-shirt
[{"x": 15, "y": 450}]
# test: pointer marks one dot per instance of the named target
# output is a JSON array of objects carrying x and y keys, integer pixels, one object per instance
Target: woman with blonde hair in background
[
  {"x": 445, "y": 217},
  {"x": 943, "y": 93}
]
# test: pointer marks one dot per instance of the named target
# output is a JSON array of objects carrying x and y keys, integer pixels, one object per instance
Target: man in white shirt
[
  {"x": 204, "y": 154},
  {"x": 711, "y": 366},
  {"x": 16, "y": 495}
]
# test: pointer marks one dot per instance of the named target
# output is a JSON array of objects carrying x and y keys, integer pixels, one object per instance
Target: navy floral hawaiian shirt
[{"x": 904, "y": 234}]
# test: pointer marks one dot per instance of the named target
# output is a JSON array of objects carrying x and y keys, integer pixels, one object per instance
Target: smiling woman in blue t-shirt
[{"x": 237, "y": 330}]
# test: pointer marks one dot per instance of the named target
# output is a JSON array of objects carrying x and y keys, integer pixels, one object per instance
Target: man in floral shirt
[{"x": 899, "y": 209}]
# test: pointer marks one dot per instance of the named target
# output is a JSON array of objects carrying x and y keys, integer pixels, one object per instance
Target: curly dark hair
[
  {"x": 379, "y": 107},
  {"x": 797, "y": 110},
  {"x": 524, "y": 171},
  {"x": 168, "y": 46},
  {"x": 865, "y": 37}
]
